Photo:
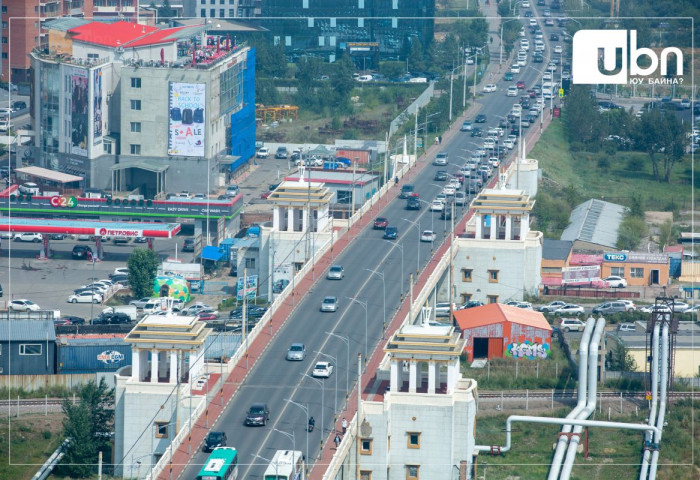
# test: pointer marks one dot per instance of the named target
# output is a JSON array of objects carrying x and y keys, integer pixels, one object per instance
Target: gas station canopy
[{"x": 88, "y": 227}]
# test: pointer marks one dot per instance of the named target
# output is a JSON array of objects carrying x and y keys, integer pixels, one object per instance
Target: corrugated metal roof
[
  {"x": 498, "y": 313},
  {"x": 63, "y": 24},
  {"x": 26, "y": 330},
  {"x": 556, "y": 249},
  {"x": 595, "y": 221}
]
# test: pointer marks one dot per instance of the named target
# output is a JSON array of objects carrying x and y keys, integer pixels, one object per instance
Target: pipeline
[
  {"x": 591, "y": 400},
  {"x": 654, "y": 399},
  {"x": 582, "y": 388},
  {"x": 662, "y": 404}
]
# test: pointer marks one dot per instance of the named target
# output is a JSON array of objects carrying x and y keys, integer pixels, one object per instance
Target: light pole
[
  {"x": 402, "y": 277},
  {"x": 381, "y": 275},
  {"x": 432, "y": 218},
  {"x": 266, "y": 460},
  {"x": 500, "y": 43},
  {"x": 289, "y": 435},
  {"x": 137, "y": 459},
  {"x": 335, "y": 397},
  {"x": 346, "y": 340},
  {"x": 417, "y": 225},
  {"x": 364, "y": 305},
  {"x": 306, "y": 410},
  {"x": 323, "y": 403}
]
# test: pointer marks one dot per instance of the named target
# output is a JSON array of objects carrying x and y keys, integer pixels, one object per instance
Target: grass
[
  {"x": 629, "y": 173},
  {"x": 32, "y": 439}
]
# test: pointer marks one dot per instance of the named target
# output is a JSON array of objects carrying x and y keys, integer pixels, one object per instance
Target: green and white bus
[
  {"x": 222, "y": 464},
  {"x": 286, "y": 465}
]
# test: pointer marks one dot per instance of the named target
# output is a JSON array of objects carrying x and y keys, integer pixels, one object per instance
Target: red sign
[
  {"x": 63, "y": 201},
  {"x": 113, "y": 232}
]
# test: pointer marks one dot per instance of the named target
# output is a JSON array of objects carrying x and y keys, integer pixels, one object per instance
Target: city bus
[
  {"x": 286, "y": 465},
  {"x": 222, "y": 464}
]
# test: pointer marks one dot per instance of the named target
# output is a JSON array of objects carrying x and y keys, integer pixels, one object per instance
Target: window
[
  {"x": 0, "y": 348},
  {"x": 465, "y": 297},
  {"x": 412, "y": 472},
  {"x": 413, "y": 440},
  {"x": 249, "y": 263},
  {"x": 4, "y": 25},
  {"x": 365, "y": 475},
  {"x": 162, "y": 429},
  {"x": 4, "y": 54},
  {"x": 4, "y": 39},
  {"x": 493, "y": 276},
  {"x": 135, "y": 82},
  {"x": 366, "y": 446},
  {"x": 4, "y": 9},
  {"x": 466, "y": 274},
  {"x": 30, "y": 349},
  {"x": 136, "y": 104},
  {"x": 231, "y": 12},
  {"x": 222, "y": 12},
  {"x": 136, "y": 127},
  {"x": 637, "y": 272},
  {"x": 203, "y": 11},
  {"x": 492, "y": 298},
  {"x": 135, "y": 149},
  {"x": 617, "y": 271}
]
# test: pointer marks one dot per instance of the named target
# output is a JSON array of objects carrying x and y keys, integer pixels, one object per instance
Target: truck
[{"x": 129, "y": 310}]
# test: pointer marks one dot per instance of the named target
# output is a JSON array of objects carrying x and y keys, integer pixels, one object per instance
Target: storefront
[{"x": 639, "y": 269}]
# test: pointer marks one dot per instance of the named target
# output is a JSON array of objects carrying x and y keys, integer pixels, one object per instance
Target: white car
[
  {"x": 436, "y": 206},
  {"x": 663, "y": 308},
  {"x": 427, "y": 236},
  {"x": 23, "y": 305},
  {"x": 515, "y": 68},
  {"x": 569, "y": 309},
  {"x": 28, "y": 237},
  {"x": 85, "y": 297},
  {"x": 263, "y": 152},
  {"x": 557, "y": 49},
  {"x": 512, "y": 91},
  {"x": 490, "y": 88},
  {"x": 615, "y": 281},
  {"x": 322, "y": 370},
  {"x": 448, "y": 190}
]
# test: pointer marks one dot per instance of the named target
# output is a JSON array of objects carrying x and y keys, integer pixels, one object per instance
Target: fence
[
  {"x": 422, "y": 100},
  {"x": 32, "y": 383},
  {"x": 587, "y": 292},
  {"x": 641, "y": 376}
]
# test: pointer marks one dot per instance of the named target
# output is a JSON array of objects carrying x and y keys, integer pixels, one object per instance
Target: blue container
[{"x": 90, "y": 356}]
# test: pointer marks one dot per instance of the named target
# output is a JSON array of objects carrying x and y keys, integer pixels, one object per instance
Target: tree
[
  {"x": 618, "y": 359},
  {"x": 632, "y": 230},
  {"x": 89, "y": 425},
  {"x": 581, "y": 117},
  {"x": 661, "y": 136},
  {"x": 165, "y": 10},
  {"x": 667, "y": 234},
  {"x": 143, "y": 265}
]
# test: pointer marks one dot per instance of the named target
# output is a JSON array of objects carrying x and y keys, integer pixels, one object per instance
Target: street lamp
[
  {"x": 381, "y": 275},
  {"x": 432, "y": 219},
  {"x": 266, "y": 460},
  {"x": 417, "y": 225},
  {"x": 306, "y": 410},
  {"x": 323, "y": 403},
  {"x": 335, "y": 397},
  {"x": 364, "y": 305},
  {"x": 138, "y": 463},
  {"x": 345, "y": 340},
  {"x": 289, "y": 435},
  {"x": 402, "y": 277}
]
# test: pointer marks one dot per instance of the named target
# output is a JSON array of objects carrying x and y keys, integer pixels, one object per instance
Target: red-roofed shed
[{"x": 500, "y": 331}]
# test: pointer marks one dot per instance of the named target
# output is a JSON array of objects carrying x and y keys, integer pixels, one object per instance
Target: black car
[
  {"x": 477, "y": 132},
  {"x": 73, "y": 319},
  {"x": 57, "y": 236},
  {"x": 391, "y": 233},
  {"x": 252, "y": 311},
  {"x": 413, "y": 204},
  {"x": 446, "y": 214},
  {"x": 81, "y": 251},
  {"x": 472, "y": 304},
  {"x": 258, "y": 414},
  {"x": 111, "y": 319},
  {"x": 481, "y": 118},
  {"x": 554, "y": 37},
  {"x": 214, "y": 440},
  {"x": 188, "y": 246},
  {"x": 440, "y": 176}
]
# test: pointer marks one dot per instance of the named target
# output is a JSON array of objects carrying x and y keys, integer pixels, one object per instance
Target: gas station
[{"x": 98, "y": 229}]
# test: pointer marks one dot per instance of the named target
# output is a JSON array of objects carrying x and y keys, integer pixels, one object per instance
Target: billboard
[
  {"x": 251, "y": 287},
  {"x": 79, "y": 111},
  {"x": 97, "y": 106},
  {"x": 584, "y": 274},
  {"x": 186, "y": 119}
]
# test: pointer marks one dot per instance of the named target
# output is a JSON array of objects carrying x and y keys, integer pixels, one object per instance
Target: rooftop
[
  {"x": 595, "y": 221},
  {"x": 179, "y": 331},
  {"x": 342, "y": 177},
  {"x": 499, "y": 200},
  {"x": 556, "y": 249},
  {"x": 498, "y": 313},
  {"x": 27, "y": 330}
]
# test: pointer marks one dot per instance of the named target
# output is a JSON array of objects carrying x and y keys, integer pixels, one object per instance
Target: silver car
[
  {"x": 329, "y": 304},
  {"x": 296, "y": 352},
  {"x": 336, "y": 272}
]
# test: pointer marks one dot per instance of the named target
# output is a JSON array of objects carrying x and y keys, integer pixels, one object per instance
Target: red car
[
  {"x": 380, "y": 223},
  {"x": 520, "y": 85},
  {"x": 206, "y": 317},
  {"x": 532, "y": 93},
  {"x": 459, "y": 176},
  {"x": 264, "y": 195}
]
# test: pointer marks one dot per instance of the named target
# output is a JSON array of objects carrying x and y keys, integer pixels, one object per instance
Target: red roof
[
  {"x": 161, "y": 36},
  {"x": 498, "y": 313},
  {"x": 673, "y": 248},
  {"x": 110, "y": 34}
]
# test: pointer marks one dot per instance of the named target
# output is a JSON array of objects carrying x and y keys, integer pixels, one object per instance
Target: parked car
[
  {"x": 336, "y": 272},
  {"x": 569, "y": 309},
  {"x": 471, "y": 304},
  {"x": 81, "y": 251},
  {"x": 85, "y": 297},
  {"x": 28, "y": 237},
  {"x": 442, "y": 309},
  {"x": 214, "y": 440},
  {"x": 263, "y": 152},
  {"x": 114, "y": 318},
  {"x": 282, "y": 152},
  {"x": 627, "y": 327},
  {"x": 679, "y": 307},
  {"x": 258, "y": 414},
  {"x": 571, "y": 324},
  {"x": 22, "y": 305},
  {"x": 296, "y": 352},
  {"x": 615, "y": 281},
  {"x": 322, "y": 370},
  {"x": 188, "y": 245},
  {"x": 661, "y": 307},
  {"x": 610, "y": 307},
  {"x": 329, "y": 304},
  {"x": 551, "y": 306},
  {"x": 73, "y": 320},
  {"x": 140, "y": 303}
]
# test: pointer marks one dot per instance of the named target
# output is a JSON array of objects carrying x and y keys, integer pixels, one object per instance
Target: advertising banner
[
  {"x": 251, "y": 287},
  {"x": 585, "y": 274},
  {"x": 112, "y": 232},
  {"x": 79, "y": 111},
  {"x": 97, "y": 106},
  {"x": 186, "y": 119}
]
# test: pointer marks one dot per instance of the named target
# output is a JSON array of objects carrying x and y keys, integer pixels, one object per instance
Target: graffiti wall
[{"x": 527, "y": 349}]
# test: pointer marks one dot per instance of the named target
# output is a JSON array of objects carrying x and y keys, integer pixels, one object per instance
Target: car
[
  {"x": 22, "y": 305},
  {"x": 336, "y": 272},
  {"x": 141, "y": 302},
  {"x": 16, "y": 106},
  {"x": 466, "y": 126},
  {"x": 446, "y": 214},
  {"x": 406, "y": 191},
  {"x": 263, "y": 152},
  {"x": 692, "y": 310},
  {"x": 413, "y": 204},
  {"x": 440, "y": 176},
  {"x": 232, "y": 190},
  {"x": 554, "y": 37},
  {"x": 448, "y": 190},
  {"x": 627, "y": 327},
  {"x": 520, "y": 85},
  {"x": 551, "y": 306},
  {"x": 481, "y": 118},
  {"x": 114, "y": 318},
  {"x": 258, "y": 414},
  {"x": 437, "y": 206},
  {"x": 427, "y": 236},
  {"x": 85, "y": 297},
  {"x": 281, "y": 152},
  {"x": 322, "y": 370},
  {"x": 193, "y": 309},
  {"x": 81, "y": 251},
  {"x": 73, "y": 320},
  {"x": 571, "y": 324},
  {"x": 329, "y": 304},
  {"x": 661, "y": 307},
  {"x": 61, "y": 322},
  {"x": 679, "y": 307},
  {"x": 391, "y": 233},
  {"x": 440, "y": 159},
  {"x": 490, "y": 88},
  {"x": 471, "y": 304},
  {"x": 188, "y": 245},
  {"x": 508, "y": 76},
  {"x": 296, "y": 352},
  {"x": 610, "y": 307},
  {"x": 615, "y": 281},
  {"x": 460, "y": 198},
  {"x": 201, "y": 316},
  {"x": 442, "y": 309},
  {"x": 569, "y": 309},
  {"x": 515, "y": 68},
  {"x": 477, "y": 132},
  {"x": 28, "y": 237},
  {"x": 214, "y": 440},
  {"x": 512, "y": 91},
  {"x": 380, "y": 223}
]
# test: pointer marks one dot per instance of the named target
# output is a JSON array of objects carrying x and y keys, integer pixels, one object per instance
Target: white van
[
  {"x": 155, "y": 305},
  {"x": 364, "y": 78}
]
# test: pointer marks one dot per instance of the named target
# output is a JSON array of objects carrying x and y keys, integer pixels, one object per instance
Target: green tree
[
  {"x": 416, "y": 57},
  {"x": 551, "y": 213},
  {"x": 618, "y": 359},
  {"x": 89, "y": 425},
  {"x": 392, "y": 69},
  {"x": 632, "y": 230},
  {"x": 661, "y": 136},
  {"x": 667, "y": 234},
  {"x": 143, "y": 265},
  {"x": 581, "y": 117},
  {"x": 165, "y": 10}
]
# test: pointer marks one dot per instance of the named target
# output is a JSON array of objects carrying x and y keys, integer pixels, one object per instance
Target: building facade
[{"x": 27, "y": 347}]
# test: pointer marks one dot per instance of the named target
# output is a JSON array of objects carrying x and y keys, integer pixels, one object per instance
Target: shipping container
[
  {"x": 87, "y": 355},
  {"x": 221, "y": 344}
]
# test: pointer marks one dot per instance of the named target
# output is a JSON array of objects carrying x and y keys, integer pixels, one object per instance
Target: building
[
  {"x": 594, "y": 225},
  {"x": 27, "y": 347},
  {"x": 555, "y": 258},
  {"x": 153, "y": 395},
  {"x": 504, "y": 331},
  {"x": 364, "y": 29},
  {"x": 499, "y": 258},
  {"x": 423, "y": 424},
  {"x": 342, "y": 183},
  {"x": 638, "y": 268},
  {"x": 103, "y": 112}
]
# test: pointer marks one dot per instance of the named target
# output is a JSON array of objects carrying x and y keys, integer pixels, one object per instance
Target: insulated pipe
[
  {"x": 593, "y": 355},
  {"x": 662, "y": 404},
  {"x": 563, "y": 421},
  {"x": 654, "y": 397},
  {"x": 582, "y": 387}
]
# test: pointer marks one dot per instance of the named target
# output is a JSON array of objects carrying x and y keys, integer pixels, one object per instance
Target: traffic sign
[
  {"x": 648, "y": 395},
  {"x": 561, "y": 93}
]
